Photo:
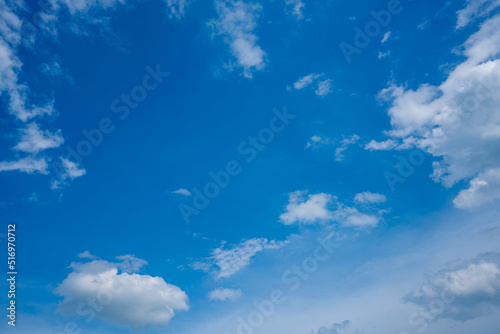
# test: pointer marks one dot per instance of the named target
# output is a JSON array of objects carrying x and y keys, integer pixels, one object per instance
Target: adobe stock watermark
[
  {"x": 405, "y": 168},
  {"x": 430, "y": 313},
  {"x": 122, "y": 107},
  {"x": 292, "y": 278},
  {"x": 363, "y": 37},
  {"x": 249, "y": 149}
]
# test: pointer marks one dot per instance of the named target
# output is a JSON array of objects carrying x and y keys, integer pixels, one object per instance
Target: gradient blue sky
[{"x": 356, "y": 143}]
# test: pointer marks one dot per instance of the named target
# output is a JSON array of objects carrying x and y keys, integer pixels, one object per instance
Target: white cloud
[
  {"x": 182, "y": 191},
  {"x": 83, "y": 6},
  {"x": 227, "y": 262},
  {"x": 26, "y": 165},
  {"x": 383, "y": 54},
  {"x": 86, "y": 255},
  {"x": 458, "y": 121},
  {"x": 374, "y": 145},
  {"x": 34, "y": 140},
  {"x": 177, "y": 7},
  {"x": 324, "y": 87},
  {"x": 224, "y": 294},
  {"x": 125, "y": 299},
  {"x": 470, "y": 288},
  {"x": 236, "y": 22},
  {"x": 305, "y": 81},
  {"x": 386, "y": 37},
  {"x": 307, "y": 211},
  {"x": 368, "y": 197},
  {"x": 303, "y": 208},
  {"x": 298, "y": 8},
  {"x": 475, "y": 9},
  {"x": 483, "y": 189},
  {"x": 346, "y": 142},
  {"x": 67, "y": 170}
]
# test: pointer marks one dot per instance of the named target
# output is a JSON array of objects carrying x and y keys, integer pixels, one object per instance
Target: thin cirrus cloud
[
  {"x": 463, "y": 136},
  {"x": 308, "y": 209},
  {"x": 323, "y": 87},
  {"x": 224, "y": 263},
  {"x": 369, "y": 197},
  {"x": 297, "y": 8},
  {"x": 123, "y": 297},
  {"x": 236, "y": 23},
  {"x": 221, "y": 294}
]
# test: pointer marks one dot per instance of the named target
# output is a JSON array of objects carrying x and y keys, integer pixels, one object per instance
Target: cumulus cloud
[
  {"x": 297, "y": 8},
  {"x": 482, "y": 189},
  {"x": 462, "y": 291},
  {"x": 236, "y": 24},
  {"x": 224, "y": 294},
  {"x": 66, "y": 170},
  {"x": 86, "y": 255},
  {"x": 458, "y": 121},
  {"x": 304, "y": 208},
  {"x": 119, "y": 297},
  {"x": 368, "y": 197},
  {"x": 227, "y": 262}
]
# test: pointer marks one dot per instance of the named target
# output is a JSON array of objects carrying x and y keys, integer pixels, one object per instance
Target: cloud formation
[
  {"x": 458, "y": 122},
  {"x": 236, "y": 24},
  {"x": 304, "y": 208},
  {"x": 221, "y": 294},
  {"x": 467, "y": 289},
  {"x": 227, "y": 262},
  {"x": 113, "y": 292}
]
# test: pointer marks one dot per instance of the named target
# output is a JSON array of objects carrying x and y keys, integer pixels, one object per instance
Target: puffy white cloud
[
  {"x": 34, "y": 140},
  {"x": 464, "y": 290},
  {"x": 122, "y": 298},
  {"x": 308, "y": 210},
  {"x": 368, "y": 197},
  {"x": 224, "y": 294},
  {"x": 26, "y": 165},
  {"x": 475, "y": 9},
  {"x": 483, "y": 189},
  {"x": 458, "y": 122},
  {"x": 236, "y": 22},
  {"x": 303, "y": 208},
  {"x": 297, "y": 8},
  {"x": 182, "y": 191},
  {"x": 227, "y": 262}
]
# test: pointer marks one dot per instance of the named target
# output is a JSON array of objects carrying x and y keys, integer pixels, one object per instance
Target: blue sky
[{"x": 186, "y": 166}]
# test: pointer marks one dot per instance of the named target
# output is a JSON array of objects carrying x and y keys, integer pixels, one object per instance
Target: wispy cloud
[{"x": 236, "y": 24}]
